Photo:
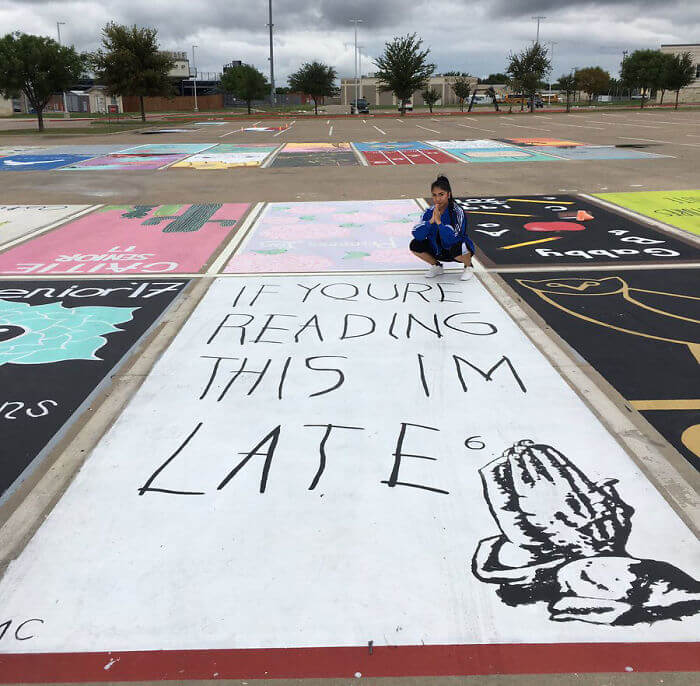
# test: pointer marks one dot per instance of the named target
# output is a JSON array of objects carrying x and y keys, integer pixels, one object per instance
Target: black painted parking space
[
  {"x": 562, "y": 229},
  {"x": 58, "y": 341},
  {"x": 640, "y": 329},
  {"x": 315, "y": 159}
]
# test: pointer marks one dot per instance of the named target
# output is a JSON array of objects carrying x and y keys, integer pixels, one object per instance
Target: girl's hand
[{"x": 436, "y": 215}]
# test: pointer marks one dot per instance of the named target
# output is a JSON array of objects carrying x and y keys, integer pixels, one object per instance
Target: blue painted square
[
  {"x": 595, "y": 152},
  {"x": 386, "y": 146},
  {"x": 39, "y": 162}
]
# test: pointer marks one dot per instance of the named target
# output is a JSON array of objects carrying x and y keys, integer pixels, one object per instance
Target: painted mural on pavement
[
  {"x": 330, "y": 236},
  {"x": 299, "y": 498},
  {"x": 677, "y": 208},
  {"x": 640, "y": 330},
  {"x": 58, "y": 341},
  {"x": 20, "y": 220},
  {"x": 227, "y": 156},
  {"x": 122, "y": 161},
  {"x": 123, "y": 239},
  {"x": 561, "y": 229},
  {"x": 38, "y": 162}
]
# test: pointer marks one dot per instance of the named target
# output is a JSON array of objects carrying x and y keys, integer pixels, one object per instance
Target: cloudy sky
[{"x": 474, "y": 36}]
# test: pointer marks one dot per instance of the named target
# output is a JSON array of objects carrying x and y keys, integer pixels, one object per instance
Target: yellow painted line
[
  {"x": 520, "y": 245},
  {"x": 500, "y": 214},
  {"x": 544, "y": 202},
  {"x": 690, "y": 404}
]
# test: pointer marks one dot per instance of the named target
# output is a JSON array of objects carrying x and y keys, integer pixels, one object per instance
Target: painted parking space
[
  {"x": 489, "y": 151},
  {"x": 339, "y": 492},
  {"x": 17, "y": 221},
  {"x": 640, "y": 330},
  {"x": 121, "y": 162},
  {"x": 228, "y": 156},
  {"x": 129, "y": 239},
  {"x": 329, "y": 236},
  {"x": 561, "y": 229},
  {"x": 548, "y": 142},
  {"x": 407, "y": 157},
  {"x": 387, "y": 146},
  {"x": 596, "y": 152},
  {"x": 39, "y": 162},
  {"x": 677, "y": 208},
  {"x": 59, "y": 340},
  {"x": 315, "y": 155},
  {"x": 169, "y": 148}
]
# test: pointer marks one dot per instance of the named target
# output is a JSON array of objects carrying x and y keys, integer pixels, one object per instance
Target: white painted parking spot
[
  {"x": 425, "y": 128},
  {"x": 478, "y": 128},
  {"x": 380, "y": 131}
]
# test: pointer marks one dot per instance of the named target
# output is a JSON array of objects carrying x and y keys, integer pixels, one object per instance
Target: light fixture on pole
[
  {"x": 66, "y": 114},
  {"x": 538, "y": 18},
  {"x": 194, "y": 82},
  {"x": 272, "y": 60},
  {"x": 356, "y": 22},
  {"x": 551, "y": 55}
]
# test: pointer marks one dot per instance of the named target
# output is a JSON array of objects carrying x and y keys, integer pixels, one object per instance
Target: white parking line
[
  {"x": 541, "y": 116},
  {"x": 279, "y": 133},
  {"x": 328, "y": 121},
  {"x": 520, "y": 126},
  {"x": 378, "y": 129},
  {"x": 478, "y": 128},
  {"x": 400, "y": 121},
  {"x": 330, "y": 131},
  {"x": 425, "y": 128},
  {"x": 692, "y": 123},
  {"x": 580, "y": 126},
  {"x": 651, "y": 140}
]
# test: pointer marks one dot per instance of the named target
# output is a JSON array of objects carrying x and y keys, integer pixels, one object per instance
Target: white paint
[
  {"x": 425, "y": 128},
  {"x": 466, "y": 126},
  {"x": 352, "y": 559},
  {"x": 380, "y": 131},
  {"x": 18, "y": 221},
  {"x": 520, "y": 126},
  {"x": 652, "y": 140},
  {"x": 330, "y": 131}
]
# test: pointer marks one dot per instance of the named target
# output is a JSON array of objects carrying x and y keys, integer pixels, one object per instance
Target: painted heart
[{"x": 552, "y": 227}]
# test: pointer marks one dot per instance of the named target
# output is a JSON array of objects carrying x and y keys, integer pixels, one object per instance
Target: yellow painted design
[
  {"x": 691, "y": 439},
  {"x": 539, "y": 240},
  {"x": 680, "y": 404},
  {"x": 610, "y": 286}
]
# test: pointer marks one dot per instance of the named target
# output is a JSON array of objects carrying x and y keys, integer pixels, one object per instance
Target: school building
[
  {"x": 690, "y": 93},
  {"x": 368, "y": 88}
]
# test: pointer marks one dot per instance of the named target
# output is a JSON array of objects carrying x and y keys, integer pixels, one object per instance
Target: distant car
[
  {"x": 359, "y": 107},
  {"x": 408, "y": 107}
]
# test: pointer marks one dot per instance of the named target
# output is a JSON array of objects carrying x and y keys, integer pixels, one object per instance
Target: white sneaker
[
  {"x": 435, "y": 270},
  {"x": 467, "y": 274}
]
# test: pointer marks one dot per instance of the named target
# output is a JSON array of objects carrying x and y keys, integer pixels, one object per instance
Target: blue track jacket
[{"x": 450, "y": 234}]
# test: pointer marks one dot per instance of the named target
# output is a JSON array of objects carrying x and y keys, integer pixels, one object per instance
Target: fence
[{"x": 179, "y": 102}]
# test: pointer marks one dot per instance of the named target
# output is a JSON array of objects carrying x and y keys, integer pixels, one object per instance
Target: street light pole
[
  {"x": 272, "y": 61},
  {"x": 538, "y": 18},
  {"x": 194, "y": 66},
  {"x": 356, "y": 22},
  {"x": 66, "y": 114},
  {"x": 551, "y": 53},
  {"x": 360, "y": 48}
]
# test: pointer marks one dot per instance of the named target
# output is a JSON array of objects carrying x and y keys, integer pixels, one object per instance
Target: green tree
[
  {"x": 642, "y": 70},
  {"x": 497, "y": 78},
  {"x": 592, "y": 80},
  {"x": 528, "y": 68},
  {"x": 314, "y": 79},
  {"x": 245, "y": 82},
  {"x": 403, "y": 68},
  {"x": 38, "y": 67},
  {"x": 679, "y": 72},
  {"x": 430, "y": 97},
  {"x": 462, "y": 87},
  {"x": 130, "y": 63},
  {"x": 567, "y": 83}
]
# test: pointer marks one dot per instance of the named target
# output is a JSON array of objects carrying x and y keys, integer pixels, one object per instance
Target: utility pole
[
  {"x": 538, "y": 18},
  {"x": 551, "y": 55},
  {"x": 194, "y": 66},
  {"x": 272, "y": 61},
  {"x": 66, "y": 113},
  {"x": 360, "y": 48},
  {"x": 357, "y": 85}
]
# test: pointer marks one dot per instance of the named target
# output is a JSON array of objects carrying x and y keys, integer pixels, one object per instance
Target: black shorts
[{"x": 445, "y": 256}]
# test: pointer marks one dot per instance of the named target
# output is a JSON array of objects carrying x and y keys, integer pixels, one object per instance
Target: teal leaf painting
[
  {"x": 351, "y": 225},
  {"x": 42, "y": 334},
  {"x": 355, "y": 255},
  {"x": 272, "y": 251}
]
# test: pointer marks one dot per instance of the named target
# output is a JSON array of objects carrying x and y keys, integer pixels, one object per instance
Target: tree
[
  {"x": 131, "y": 63},
  {"x": 314, "y": 79},
  {"x": 462, "y": 88},
  {"x": 403, "y": 68},
  {"x": 430, "y": 97},
  {"x": 567, "y": 83},
  {"x": 592, "y": 80},
  {"x": 528, "y": 68},
  {"x": 642, "y": 70},
  {"x": 245, "y": 82},
  {"x": 491, "y": 92},
  {"x": 38, "y": 67},
  {"x": 497, "y": 78},
  {"x": 678, "y": 73}
]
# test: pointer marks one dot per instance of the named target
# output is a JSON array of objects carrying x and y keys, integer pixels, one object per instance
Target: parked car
[
  {"x": 517, "y": 98},
  {"x": 408, "y": 108},
  {"x": 359, "y": 107}
]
